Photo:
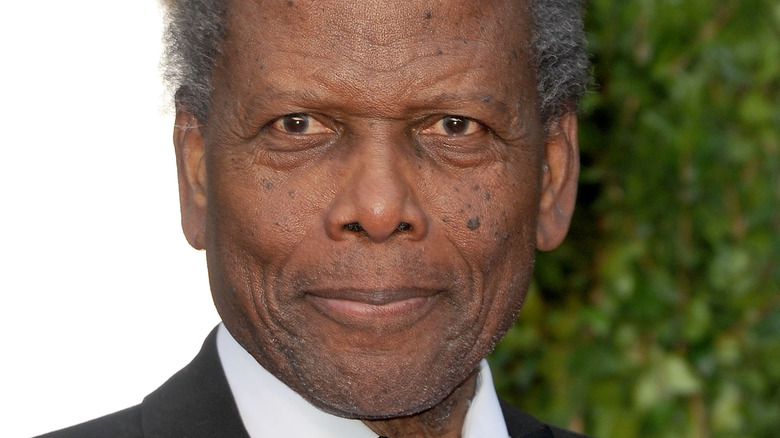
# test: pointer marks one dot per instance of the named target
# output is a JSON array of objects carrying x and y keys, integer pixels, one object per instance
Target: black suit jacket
[{"x": 197, "y": 403}]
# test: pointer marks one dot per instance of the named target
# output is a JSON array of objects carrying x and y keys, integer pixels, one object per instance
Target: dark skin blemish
[
  {"x": 290, "y": 3},
  {"x": 468, "y": 205},
  {"x": 486, "y": 196},
  {"x": 268, "y": 184},
  {"x": 473, "y": 223},
  {"x": 445, "y": 220},
  {"x": 428, "y": 15},
  {"x": 476, "y": 187},
  {"x": 456, "y": 189},
  {"x": 486, "y": 99}
]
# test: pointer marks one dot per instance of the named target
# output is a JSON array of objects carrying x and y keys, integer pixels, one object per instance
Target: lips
[{"x": 373, "y": 305}]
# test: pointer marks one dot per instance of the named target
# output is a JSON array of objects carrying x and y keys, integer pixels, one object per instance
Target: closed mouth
[{"x": 354, "y": 305}]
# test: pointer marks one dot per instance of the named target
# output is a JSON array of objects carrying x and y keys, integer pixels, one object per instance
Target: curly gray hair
[{"x": 195, "y": 29}]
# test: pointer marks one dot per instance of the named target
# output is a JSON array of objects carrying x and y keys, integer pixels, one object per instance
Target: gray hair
[{"x": 196, "y": 28}]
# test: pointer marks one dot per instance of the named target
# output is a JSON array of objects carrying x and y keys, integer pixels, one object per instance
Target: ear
[
  {"x": 191, "y": 165},
  {"x": 561, "y": 169}
]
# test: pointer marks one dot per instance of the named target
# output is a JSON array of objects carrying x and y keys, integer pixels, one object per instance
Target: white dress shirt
[{"x": 269, "y": 408}]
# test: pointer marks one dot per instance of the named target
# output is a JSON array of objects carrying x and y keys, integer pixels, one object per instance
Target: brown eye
[
  {"x": 295, "y": 123},
  {"x": 453, "y": 126},
  {"x": 300, "y": 124}
]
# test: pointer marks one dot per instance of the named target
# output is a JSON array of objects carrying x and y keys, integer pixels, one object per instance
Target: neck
[{"x": 445, "y": 420}]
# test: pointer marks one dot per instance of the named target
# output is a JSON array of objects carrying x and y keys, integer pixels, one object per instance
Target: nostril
[
  {"x": 404, "y": 226},
  {"x": 353, "y": 226}
]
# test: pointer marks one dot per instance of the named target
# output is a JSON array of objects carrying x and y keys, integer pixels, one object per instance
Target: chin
[{"x": 385, "y": 409}]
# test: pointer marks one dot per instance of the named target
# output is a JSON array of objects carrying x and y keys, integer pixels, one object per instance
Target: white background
[{"x": 102, "y": 298}]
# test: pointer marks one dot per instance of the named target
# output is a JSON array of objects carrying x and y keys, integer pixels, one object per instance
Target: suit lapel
[
  {"x": 196, "y": 402},
  {"x": 521, "y": 425}
]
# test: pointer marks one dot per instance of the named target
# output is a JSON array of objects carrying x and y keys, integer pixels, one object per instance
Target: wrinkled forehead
[{"x": 377, "y": 28}]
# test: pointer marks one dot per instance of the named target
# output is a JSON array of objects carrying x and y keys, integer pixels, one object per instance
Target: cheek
[
  {"x": 256, "y": 220},
  {"x": 491, "y": 215},
  {"x": 261, "y": 212},
  {"x": 491, "y": 218}
]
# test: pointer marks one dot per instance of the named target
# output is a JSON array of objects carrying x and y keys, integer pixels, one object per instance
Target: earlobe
[
  {"x": 559, "y": 182},
  {"x": 191, "y": 167}
]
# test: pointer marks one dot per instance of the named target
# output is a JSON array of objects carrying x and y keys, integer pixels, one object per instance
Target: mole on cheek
[
  {"x": 473, "y": 223},
  {"x": 418, "y": 152}
]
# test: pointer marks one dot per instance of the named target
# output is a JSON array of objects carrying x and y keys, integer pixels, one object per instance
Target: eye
[
  {"x": 300, "y": 124},
  {"x": 454, "y": 126}
]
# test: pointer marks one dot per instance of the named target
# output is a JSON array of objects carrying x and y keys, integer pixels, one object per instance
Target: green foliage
[{"x": 660, "y": 315}]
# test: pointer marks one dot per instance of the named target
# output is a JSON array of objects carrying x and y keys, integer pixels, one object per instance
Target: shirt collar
[{"x": 268, "y": 407}]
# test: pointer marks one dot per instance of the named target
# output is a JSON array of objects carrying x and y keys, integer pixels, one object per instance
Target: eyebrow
[
  {"x": 443, "y": 102},
  {"x": 484, "y": 100}
]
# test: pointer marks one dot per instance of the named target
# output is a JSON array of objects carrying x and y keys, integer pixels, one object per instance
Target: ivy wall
[{"x": 660, "y": 315}]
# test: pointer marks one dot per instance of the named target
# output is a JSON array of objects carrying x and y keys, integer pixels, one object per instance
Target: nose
[{"x": 376, "y": 199}]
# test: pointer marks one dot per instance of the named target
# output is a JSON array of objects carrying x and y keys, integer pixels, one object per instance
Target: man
[{"x": 370, "y": 181}]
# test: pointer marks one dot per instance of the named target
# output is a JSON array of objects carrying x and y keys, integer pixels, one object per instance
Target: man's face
[{"x": 368, "y": 189}]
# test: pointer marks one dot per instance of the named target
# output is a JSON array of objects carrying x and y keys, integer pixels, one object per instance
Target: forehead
[
  {"x": 382, "y": 21},
  {"x": 377, "y": 50}
]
